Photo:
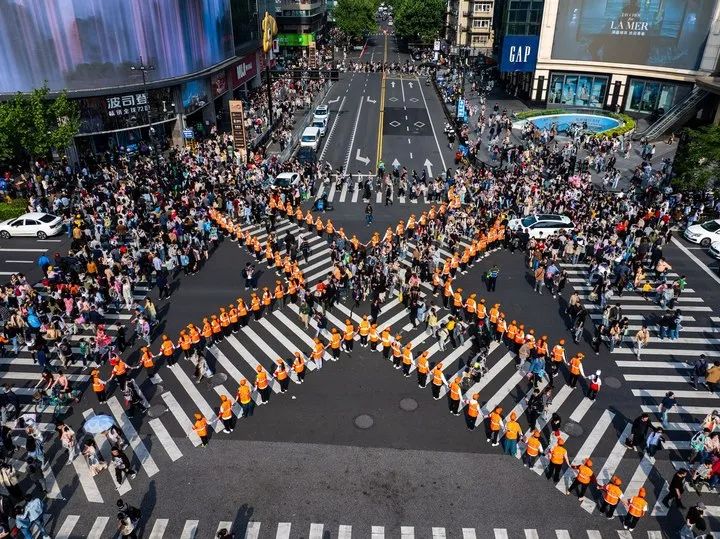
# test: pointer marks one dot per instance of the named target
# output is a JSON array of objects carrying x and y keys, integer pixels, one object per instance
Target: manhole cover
[
  {"x": 217, "y": 379},
  {"x": 572, "y": 428},
  {"x": 393, "y": 99},
  {"x": 156, "y": 410},
  {"x": 419, "y": 125},
  {"x": 364, "y": 421},
  {"x": 395, "y": 123},
  {"x": 612, "y": 382},
  {"x": 408, "y": 404}
]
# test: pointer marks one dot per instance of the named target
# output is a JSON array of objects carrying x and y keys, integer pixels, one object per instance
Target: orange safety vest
[
  {"x": 612, "y": 494},
  {"x": 185, "y": 342},
  {"x": 147, "y": 360},
  {"x": 261, "y": 380},
  {"x": 318, "y": 351},
  {"x": 349, "y": 332},
  {"x": 364, "y": 328},
  {"x": 215, "y": 325},
  {"x": 512, "y": 430},
  {"x": 201, "y": 427},
  {"x": 558, "y": 353},
  {"x": 455, "y": 391},
  {"x": 225, "y": 409},
  {"x": 98, "y": 384},
  {"x": 437, "y": 375},
  {"x": 481, "y": 310},
  {"x": 533, "y": 447},
  {"x": 206, "y": 330},
  {"x": 494, "y": 315},
  {"x": 194, "y": 335},
  {"x": 407, "y": 356},
  {"x": 120, "y": 368},
  {"x": 520, "y": 337},
  {"x": 495, "y": 420},
  {"x": 224, "y": 320},
  {"x": 298, "y": 365},
  {"x": 167, "y": 348},
  {"x": 473, "y": 409},
  {"x": 335, "y": 341},
  {"x": 558, "y": 454},
  {"x": 638, "y": 506},
  {"x": 374, "y": 337},
  {"x": 233, "y": 316},
  {"x": 281, "y": 373},
  {"x": 422, "y": 364},
  {"x": 242, "y": 309},
  {"x": 584, "y": 474},
  {"x": 244, "y": 394},
  {"x": 575, "y": 365}
]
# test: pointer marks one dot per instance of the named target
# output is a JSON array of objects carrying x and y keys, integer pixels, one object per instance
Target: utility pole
[
  {"x": 144, "y": 69},
  {"x": 269, "y": 30}
]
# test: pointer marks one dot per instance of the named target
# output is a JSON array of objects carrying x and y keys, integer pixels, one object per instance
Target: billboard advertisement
[
  {"x": 88, "y": 44},
  {"x": 194, "y": 95},
  {"x": 660, "y": 33},
  {"x": 519, "y": 54}
]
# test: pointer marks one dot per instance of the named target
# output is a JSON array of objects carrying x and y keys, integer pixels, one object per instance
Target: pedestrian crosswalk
[
  {"x": 664, "y": 365},
  {"x": 81, "y": 526},
  {"x": 353, "y": 192}
]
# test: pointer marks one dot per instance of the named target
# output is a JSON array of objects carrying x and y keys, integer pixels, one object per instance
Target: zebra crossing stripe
[
  {"x": 162, "y": 434},
  {"x": 185, "y": 424},
  {"x": 316, "y": 531},
  {"x": 587, "y": 448},
  {"x": 678, "y": 394},
  {"x": 86, "y": 480},
  {"x": 531, "y": 534},
  {"x": 344, "y": 532},
  {"x": 98, "y": 528},
  {"x": 232, "y": 371},
  {"x": 581, "y": 409},
  {"x": 635, "y": 364},
  {"x": 200, "y": 402},
  {"x": 283, "y": 530},
  {"x": 438, "y": 533},
  {"x": 189, "y": 530},
  {"x": 104, "y": 447},
  {"x": 67, "y": 527},
  {"x": 562, "y": 534},
  {"x": 252, "y": 531},
  {"x": 250, "y": 359},
  {"x": 269, "y": 352},
  {"x": 503, "y": 392},
  {"x": 485, "y": 380},
  {"x": 407, "y": 532},
  {"x": 611, "y": 464},
  {"x": 158, "y": 529},
  {"x": 141, "y": 452},
  {"x": 469, "y": 533},
  {"x": 500, "y": 533},
  {"x": 377, "y": 532},
  {"x": 304, "y": 337}
]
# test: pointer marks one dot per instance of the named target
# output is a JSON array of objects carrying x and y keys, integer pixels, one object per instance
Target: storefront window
[
  {"x": 575, "y": 90},
  {"x": 649, "y": 96}
]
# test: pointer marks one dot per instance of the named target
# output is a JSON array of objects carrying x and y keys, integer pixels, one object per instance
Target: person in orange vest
[
  {"x": 423, "y": 368},
  {"x": 438, "y": 381},
  {"x": 348, "y": 336},
  {"x": 262, "y": 384},
  {"x": 226, "y": 414},
  {"x": 472, "y": 411},
  {"x": 386, "y": 341},
  {"x": 206, "y": 333},
  {"x": 278, "y": 295},
  {"x": 612, "y": 495},
  {"x": 216, "y": 329},
  {"x": 265, "y": 300},
  {"x": 558, "y": 457},
  {"x": 397, "y": 351},
  {"x": 298, "y": 367},
  {"x": 119, "y": 371},
  {"x": 244, "y": 397},
  {"x": 533, "y": 448},
  {"x": 201, "y": 428},
  {"x": 243, "y": 314},
  {"x": 512, "y": 435},
  {"x": 318, "y": 353},
  {"x": 195, "y": 336},
  {"x": 407, "y": 360},
  {"x": 334, "y": 344},
  {"x": 576, "y": 369},
  {"x": 457, "y": 302},
  {"x": 558, "y": 358},
  {"x": 584, "y": 475},
  {"x": 364, "y": 330},
  {"x": 185, "y": 343},
  {"x": 147, "y": 360},
  {"x": 636, "y": 509},
  {"x": 494, "y": 426},
  {"x": 224, "y": 322},
  {"x": 280, "y": 373},
  {"x": 454, "y": 396},
  {"x": 98, "y": 386},
  {"x": 167, "y": 350}
]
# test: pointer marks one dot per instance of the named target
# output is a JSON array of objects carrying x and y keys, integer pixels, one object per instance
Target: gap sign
[{"x": 519, "y": 54}]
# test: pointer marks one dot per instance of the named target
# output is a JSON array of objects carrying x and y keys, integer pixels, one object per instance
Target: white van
[{"x": 310, "y": 138}]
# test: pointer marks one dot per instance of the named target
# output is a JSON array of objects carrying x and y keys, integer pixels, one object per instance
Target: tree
[
  {"x": 419, "y": 19},
  {"x": 697, "y": 163},
  {"x": 356, "y": 18},
  {"x": 33, "y": 124}
]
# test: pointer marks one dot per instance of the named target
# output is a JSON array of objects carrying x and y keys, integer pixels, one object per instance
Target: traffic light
[{"x": 270, "y": 30}]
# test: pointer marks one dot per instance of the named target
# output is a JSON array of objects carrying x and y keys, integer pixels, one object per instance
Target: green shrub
[
  {"x": 13, "y": 208},
  {"x": 627, "y": 125}
]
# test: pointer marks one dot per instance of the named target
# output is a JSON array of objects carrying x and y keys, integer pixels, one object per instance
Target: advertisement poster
[
  {"x": 194, "y": 95},
  {"x": 662, "y": 33},
  {"x": 519, "y": 54}
]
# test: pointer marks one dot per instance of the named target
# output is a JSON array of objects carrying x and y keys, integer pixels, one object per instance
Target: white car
[
  {"x": 287, "y": 179},
  {"x": 321, "y": 125},
  {"x": 542, "y": 225},
  {"x": 36, "y": 224},
  {"x": 322, "y": 113},
  {"x": 703, "y": 233},
  {"x": 715, "y": 249}
]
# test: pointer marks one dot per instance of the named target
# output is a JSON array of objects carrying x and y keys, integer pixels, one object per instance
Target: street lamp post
[
  {"x": 269, "y": 30},
  {"x": 144, "y": 69}
]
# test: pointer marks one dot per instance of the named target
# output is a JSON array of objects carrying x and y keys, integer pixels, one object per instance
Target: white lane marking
[{"x": 697, "y": 261}]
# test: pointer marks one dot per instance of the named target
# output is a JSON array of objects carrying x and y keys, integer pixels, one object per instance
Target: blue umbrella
[{"x": 98, "y": 423}]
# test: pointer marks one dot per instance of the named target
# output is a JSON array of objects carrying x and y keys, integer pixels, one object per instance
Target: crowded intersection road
[{"x": 204, "y": 354}]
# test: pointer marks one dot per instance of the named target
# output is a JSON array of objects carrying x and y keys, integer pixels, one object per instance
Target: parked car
[
  {"x": 703, "y": 233},
  {"x": 542, "y": 225},
  {"x": 287, "y": 179},
  {"x": 715, "y": 249},
  {"x": 37, "y": 224}
]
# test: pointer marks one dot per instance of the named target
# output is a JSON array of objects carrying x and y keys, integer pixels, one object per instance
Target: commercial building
[
  {"x": 133, "y": 64},
  {"x": 469, "y": 26},
  {"x": 301, "y": 16},
  {"x": 644, "y": 57}
]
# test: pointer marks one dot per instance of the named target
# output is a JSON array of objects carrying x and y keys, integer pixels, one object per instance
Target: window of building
[
  {"x": 523, "y": 17},
  {"x": 479, "y": 40},
  {"x": 481, "y": 23},
  {"x": 482, "y": 7},
  {"x": 649, "y": 95},
  {"x": 577, "y": 90}
]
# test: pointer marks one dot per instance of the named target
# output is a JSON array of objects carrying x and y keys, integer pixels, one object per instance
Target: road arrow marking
[
  {"x": 410, "y": 84},
  {"x": 396, "y": 163},
  {"x": 334, "y": 100},
  {"x": 371, "y": 100},
  {"x": 429, "y": 165},
  {"x": 363, "y": 160},
  {"x": 392, "y": 83}
]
